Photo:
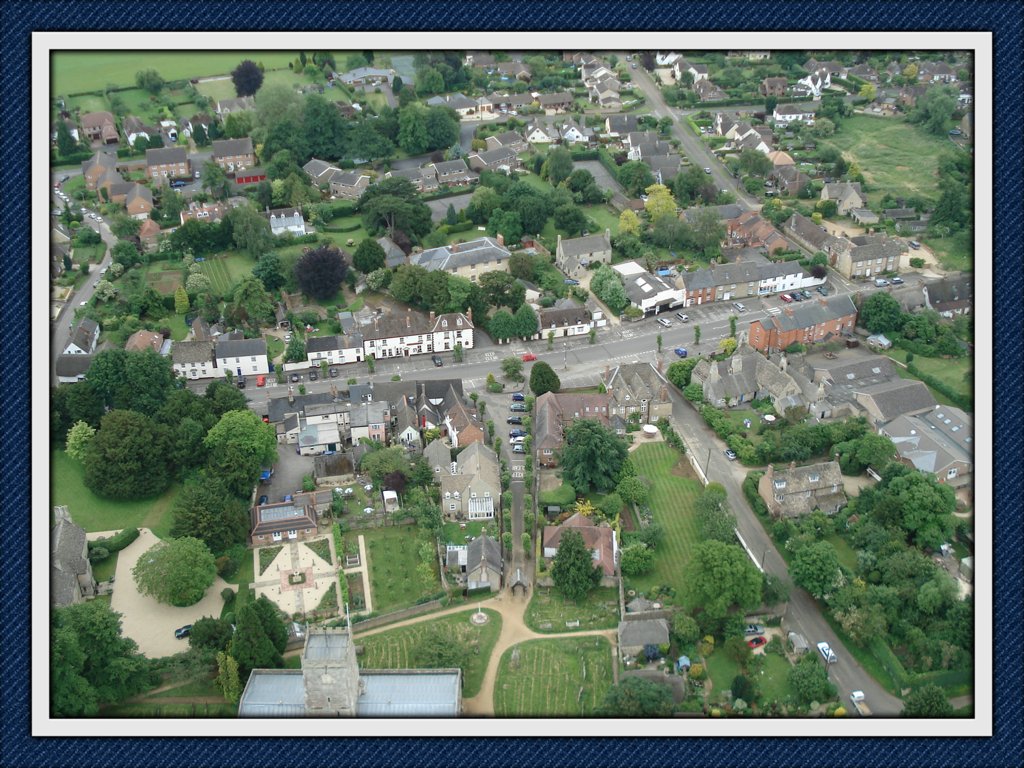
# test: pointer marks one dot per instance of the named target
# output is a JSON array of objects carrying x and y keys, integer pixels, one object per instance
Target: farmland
[{"x": 553, "y": 678}]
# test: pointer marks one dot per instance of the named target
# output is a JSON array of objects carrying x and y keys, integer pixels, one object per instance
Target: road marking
[{"x": 774, "y": 310}]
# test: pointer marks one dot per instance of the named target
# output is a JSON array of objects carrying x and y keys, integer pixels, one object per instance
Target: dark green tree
[
  {"x": 368, "y": 256},
  {"x": 251, "y": 305},
  {"x": 815, "y": 567},
  {"x": 272, "y": 623},
  {"x": 543, "y": 379},
  {"x": 66, "y": 144},
  {"x": 558, "y": 166},
  {"x": 211, "y": 633},
  {"x": 176, "y": 572},
  {"x": 927, "y": 701},
  {"x": 570, "y": 219},
  {"x": 714, "y": 517},
  {"x": 573, "y": 571},
  {"x": 881, "y": 313},
  {"x": 525, "y": 321},
  {"x": 635, "y": 177},
  {"x": 239, "y": 444},
  {"x": 247, "y": 78},
  {"x": 126, "y": 458},
  {"x": 268, "y": 271},
  {"x": 592, "y": 456},
  {"x": 205, "y": 509},
  {"x": 809, "y": 681},
  {"x": 722, "y": 578},
  {"x": 251, "y": 231},
  {"x": 251, "y": 647}
]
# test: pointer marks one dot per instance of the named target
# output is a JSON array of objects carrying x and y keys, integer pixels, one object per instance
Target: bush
[
  {"x": 917, "y": 262},
  {"x": 227, "y": 594},
  {"x": 117, "y": 542},
  {"x": 98, "y": 554}
]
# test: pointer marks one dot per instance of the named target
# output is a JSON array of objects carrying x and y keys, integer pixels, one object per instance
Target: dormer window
[
  {"x": 779, "y": 484},
  {"x": 458, "y": 321},
  {"x": 444, "y": 323},
  {"x": 447, "y": 494},
  {"x": 814, "y": 478},
  {"x": 456, "y": 494}
]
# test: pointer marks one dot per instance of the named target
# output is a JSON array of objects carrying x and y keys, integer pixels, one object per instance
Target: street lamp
[{"x": 565, "y": 355}]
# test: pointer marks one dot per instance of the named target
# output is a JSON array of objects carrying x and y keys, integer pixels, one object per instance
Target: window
[
  {"x": 447, "y": 494},
  {"x": 814, "y": 478},
  {"x": 951, "y": 473},
  {"x": 444, "y": 323},
  {"x": 451, "y": 507},
  {"x": 292, "y": 534},
  {"x": 276, "y": 536},
  {"x": 779, "y": 484}
]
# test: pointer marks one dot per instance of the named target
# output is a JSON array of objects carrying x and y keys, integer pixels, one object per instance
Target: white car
[
  {"x": 104, "y": 270},
  {"x": 99, "y": 219},
  {"x": 93, "y": 216},
  {"x": 83, "y": 303},
  {"x": 827, "y": 653}
]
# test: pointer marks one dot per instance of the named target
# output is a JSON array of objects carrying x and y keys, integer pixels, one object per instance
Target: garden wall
[{"x": 390, "y": 618}]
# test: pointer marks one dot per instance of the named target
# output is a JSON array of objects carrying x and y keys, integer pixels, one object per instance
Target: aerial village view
[{"x": 512, "y": 384}]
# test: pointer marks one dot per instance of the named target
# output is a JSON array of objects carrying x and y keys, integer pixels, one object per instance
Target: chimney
[
  {"x": 559, "y": 243},
  {"x": 469, "y": 314},
  {"x": 792, "y": 466},
  {"x": 607, "y": 234},
  {"x": 453, "y": 248},
  {"x": 408, "y": 317},
  {"x": 835, "y": 457},
  {"x": 431, "y": 317},
  {"x": 500, "y": 238},
  {"x": 736, "y": 364},
  {"x": 291, "y": 394},
  {"x": 376, "y": 323}
]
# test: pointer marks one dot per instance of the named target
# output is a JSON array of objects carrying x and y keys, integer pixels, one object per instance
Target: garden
[
  {"x": 554, "y": 678},
  {"x": 396, "y": 577},
  {"x": 549, "y": 612}
]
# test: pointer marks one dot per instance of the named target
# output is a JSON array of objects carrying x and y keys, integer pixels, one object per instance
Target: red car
[
  {"x": 529, "y": 357},
  {"x": 757, "y": 642},
  {"x": 786, "y": 298}
]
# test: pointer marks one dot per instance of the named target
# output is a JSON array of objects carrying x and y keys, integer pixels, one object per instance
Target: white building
[
  {"x": 242, "y": 357},
  {"x": 649, "y": 293},
  {"x": 195, "y": 360}
]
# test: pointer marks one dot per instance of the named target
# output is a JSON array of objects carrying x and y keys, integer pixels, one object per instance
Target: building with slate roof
[
  {"x": 470, "y": 259},
  {"x": 232, "y": 154},
  {"x": 83, "y": 338},
  {"x": 473, "y": 490},
  {"x": 72, "y": 368},
  {"x": 940, "y": 441},
  {"x": 747, "y": 376},
  {"x": 439, "y": 458},
  {"x": 243, "y": 357},
  {"x": 477, "y": 565},
  {"x": 499, "y": 159},
  {"x": 637, "y": 388},
  {"x": 864, "y": 255},
  {"x": 71, "y": 579},
  {"x": 564, "y": 321},
  {"x": 554, "y": 412},
  {"x": 806, "y": 323},
  {"x": 282, "y": 520},
  {"x": 798, "y": 491},
  {"x": 900, "y": 397},
  {"x": 330, "y": 684},
  {"x": 634, "y": 635},
  {"x": 951, "y": 295},
  {"x": 393, "y": 255},
  {"x": 574, "y": 254}
]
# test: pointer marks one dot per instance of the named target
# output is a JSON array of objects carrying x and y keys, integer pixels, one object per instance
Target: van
[
  {"x": 914, "y": 244},
  {"x": 881, "y": 282},
  {"x": 684, "y": 317},
  {"x": 516, "y": 440},
  {"x": 664, "y": 323}
]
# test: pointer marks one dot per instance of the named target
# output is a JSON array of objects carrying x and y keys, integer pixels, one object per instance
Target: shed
[
  {"x": 683, "y": 664},
  {"x": 879, "y": 340},
  {"x": 390, "y": 501},
  {"x": 799, "y": 642}
]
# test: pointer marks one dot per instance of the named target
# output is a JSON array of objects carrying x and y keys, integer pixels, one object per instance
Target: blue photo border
[{"x": 20, "y": 19}]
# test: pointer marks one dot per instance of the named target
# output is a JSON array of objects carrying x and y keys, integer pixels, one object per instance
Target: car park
[
  {"x": 753, "y": 629},
  {"x": 518, "y": 407},
  {"x": 739, "y": 306},
  {"x": 683, "y": 317},
  {"x": 518, "y": 397},
  {"x": 757, "y": 642},
  {"x": 182, "y": 632},
  {"x": 438, "y": 362},
  {"x": 786, "y": 298},
  {"x": 730, "y": 454},
  {"x": 529, "y": 357},
  {"x": 313, "y": 376},
  {"x": 261, "y": 381},
  {"x": 897, "y": 280},
  {"x": 680, "y": 352},
  {"x": 514, "y": 420},
  {"x": 827, "y": 653}
]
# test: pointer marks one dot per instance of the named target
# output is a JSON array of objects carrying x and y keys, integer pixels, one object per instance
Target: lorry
[{"x": 860, "y": 704}]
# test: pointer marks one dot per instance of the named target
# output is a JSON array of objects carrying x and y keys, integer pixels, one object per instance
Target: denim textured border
[{"x": 20, "y": 19}]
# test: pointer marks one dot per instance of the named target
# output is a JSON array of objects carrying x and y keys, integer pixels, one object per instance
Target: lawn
[
  {"x": 398, "y": 648},
  {"x": 460, "y": 533},
  {"x": 275, "y": 347},
  {"x": 949, "y": 371},
  {"x": 105, "y": 569},
  {"x": 225, "y": 89},
  {"x": 89, "y": 253},
  {"x": 548, "y": 611},
  {"x": 894, "y": 156},
  {"x": 721, "y": 669},
  {"x": 553, "y": 678},
  {"x": 179, "y": 329},
  {"x": 81, "y": 71},
  {"x": 226, "y": 269},
  {"x": 672, "y": 501},
  {"x": 163, "y": 280},
  {"x": 845, "y": 553},
  {"x": 393, "y": 555},
  {"x": 773, "y": 685},
  {"x": 603, "y": 216},
  {"x": 95, "y": 514},
  {"x": 956, "y": 252}
]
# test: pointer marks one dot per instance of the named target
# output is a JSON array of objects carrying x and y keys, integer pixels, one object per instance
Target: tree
[
  {"x": 525, "y": 321},
  {"x": 149, "y": 80},
  {"x": 394, "y": 204},
  {"x": 239, "y": 444},
  {"x": 215, "y": 181},
  {"x": 442, "y": 128},
  {"x": 629, "y": 223},
  {"x": 270, "y": 619},
  {"x": 934, "y": 109},
  {"x": 809, "y": 681},
  {"x": 321, "y": 271},
  {"x": 251, "y": 646},
  {"x": 268, "y": 271},
  {"x": 635, "y": 177},
  {"x": 227, "y": 679},
  {"x": 180, "y": 300},
  {"x": 66, "y": 144},
  {"x": 176, "y": 572},
  {"x": 543, "y": 379},
  {"x": 251, "y": 305},
  {"x": 637, "y": 697},
  {"x": 508, "y": 224},
  {"x": 592, "y": 456},
  {"x": 708, "y": 232},
  {"x": 636, "y": 560},
  {"x": 520, "y": 265},
  {"x": 247, "y": 78},
  {"x": 721, "y": 577},
  {"x": 368, "y": 256},
  {"x": 921, "y": 506},
  {"x": 607, "y": 285},
  {"x": 211, "y": 633},
  {"x": 713, "y": 516},
  {"x": 583, "y": 187},
  {"x": 573, "y": 570},
  {"x": 927, "y": 701},
  {"x": 502, "y": 325},
  {"x": 659, "y": 203},
  {"x": 90, "y": 662},
  {"x": 380, "y": 463},
  {"x": 502, "y": 290},
  {"x": 512, "y": 368},
  {"x": 78, "y": 439},
  {"x": 570, "y": 219},
  {"x": 685, "y": 630},
  {"x": 881, "y": 313},
  {"x": 815, "y": 567},
  {"x": 435, "y": 649},
  {"x": 250, "y": 231},
  {"x": 412, "y": 129},
  {"x": 557, "y": 167},
  {"x": 206, "y": 510},
  {"x": 124, "y": 227},
  {"x": 754, "y": 163},
  {"x": 125, "y": 459}
]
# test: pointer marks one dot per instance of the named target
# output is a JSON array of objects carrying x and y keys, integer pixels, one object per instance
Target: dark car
[
  {"x": 438, "y": 362},
  {"x": 680, "y": 352},
  {"x": 332, "y": 372},
  {"x": 295, "y": 377},
  {"x": 518, "y": 407},
  {"x": 570, "y": 281},
  {"x": 795, "y": 296},
  {"x": 182, "y": 632},
  {"x": 263, "y": 499},
  {"x": 518, "y": 397},
  {"x": 757, "y": 642},
  {"x": 516, "y": 433},
  {"x": 822, "y": 289},
  {"x": 514, "y": 420},
  {"x": 805, "y": 293},
  {"x": 313, "y": 375},
  {"x": 241, "y": 383},
  {"x": 896, "y": 280}
]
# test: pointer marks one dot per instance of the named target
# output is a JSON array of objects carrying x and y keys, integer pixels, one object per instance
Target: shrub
[
  {"x": 917, "y": 262},
  {"x": 118, "y": 541},
  {"x": 227, "y": 594},
  {"x": 98, "y": 554}
]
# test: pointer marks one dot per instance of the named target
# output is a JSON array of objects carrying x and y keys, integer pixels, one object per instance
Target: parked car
[
  {"x": 757, "y": 642},
  {"x": 805, "y": 293},
  {"x": 914, "y": 244},
  {"x": 786, "y": 298},
  {"x": 570, "y": 281},
  {"x": 664, "y": 322},
  {"x": 796, "y": 296},
  {"x": 730, "y": 454},
  {"x": 182, "y": 632},
  {"x": 519, "y": 440},
  {"x": 104, "y": 270},
  {"x": 683, "y": 317},
  {"x": 518, "y": 407},
  {"x": 517, "y": 433},
  {"x": 827, "y": 653},
  {"x": 518, "y": 449},
  {"x": 313, "y": 375},
  {"x": 332, "y": 372},
  {"x": 263, "y": 499},
  {"x": 897, "y": 280},
  {"x": 437, "y": 361},
  {"x": 514, "y": 420},
  {"x": 881, "y": 282},
  {"x": 518, "y": 397},
  {"x": 739, "y": 306},
  {"x": 261, "y": 381},
  {"x": 707, "y": 171},
  {"x": 822, "y": 289},
  {"x": 241, "y": 382},
  {"x": 529, "y": 357},
  {"x": 753, "y": 629},
  {"x": 680, "y": 352},
  {"x": 295, "y": 377}
]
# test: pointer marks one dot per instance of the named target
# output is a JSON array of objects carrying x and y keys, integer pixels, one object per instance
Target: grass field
[
  {"x": 547, "y": 607},
  {"x": 956, "y": 252},
  {"x": 81, "y": 71},
  {"x": 553, "y": 678},
  {"x": 95, "y": 514},
  {"x": 721, "y": 669},
  {"x": 394, "y": 557},
  {"x": 773, "y": 685},
  {"x": 89, "y": 253},
  {"x": 209, "y": 702},
  {"x": 226, "y": 269},
  {"x": 398, "y": 648},
  {"x": 845, "y": 553},
  {"x": 179, "y": 330},
  {"x": 672, "y": 501},
  {"x": 894, "y": 156},
  {"x": 454, "y": 533},
  {"x": 105, "y": 569}
]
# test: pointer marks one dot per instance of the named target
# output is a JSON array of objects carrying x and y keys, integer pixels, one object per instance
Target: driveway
[
  {"x": 288, "y": 473},
  {"x": 149, "y": 623},
  {"x": 439, "y": 208}
]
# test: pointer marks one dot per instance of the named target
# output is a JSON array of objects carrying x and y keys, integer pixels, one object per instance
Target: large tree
[
  {"x": 251, "y": 647},
  {"x": 921, "y": 506},
  {"x": 209, "y": 632},
  {"x": 934, "y": 109},
  {"x": 573, "y": 571},
  {"x": 251, "y": 305},
  {"x": 558, "y": 166},
  {"x": 809, "y": 681},
  {"x": 660, "y": 203},
  {"x": 126, "y": 458},
  {"x": 321, "y": 271},
  {"x": 721, "y": 577},
  {"x": 394, "y": 204},
  {"x": 138, "y": 381},
  {"x": 543, "y": 379},
  {"x": 927, "y": 701},
  {"x": 247, "y": 78},
  {"x": 412, "y": 129},
  {"x": 239, "y": 444},
  {"x": 215, "y": 180},
  {"x": 592, "y": 456},
  {"x": 526, "y": 321},
  {"x": 502, "y": 289},
  {"x": 272, "y": 623},
  {"x": 368, "y": 256},
  {"x": 90, "y": 662},
  {"x": 815, "y": 567},
  {"x": 380, "y": 463},
  {"x": 268, "y": 271},
  {"x": 205, "y": 509},
  {"x": 637, "y": 697},
  {"x": 251, "y": 231},
  {"x": 635, "y": 177},
  {"x": 607, "y": 285},
  {"x": 881, "y": 313},
  {"x": 176, "y": 572},
  {"x": 714, "y": 517}
]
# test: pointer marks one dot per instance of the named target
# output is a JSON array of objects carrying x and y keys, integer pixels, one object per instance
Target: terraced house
[{"x": 805, "y": 323}]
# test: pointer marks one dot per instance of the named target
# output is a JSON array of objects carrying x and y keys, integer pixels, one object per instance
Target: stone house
[{"x": 798, "y": 491}]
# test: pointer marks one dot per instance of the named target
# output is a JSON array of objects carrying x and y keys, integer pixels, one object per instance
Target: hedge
[
  {"x": 586, "y": 154},
  {"x": 118, "y": 541},
  {"x": 606, "y": 159},
  {"x": 753, "y": 497},
  {"x": 284, "y": 242},
  {"x": 883, "y": 653},
  {"x": 348, "y": 228},
  {"x": 74, "y": 157}
]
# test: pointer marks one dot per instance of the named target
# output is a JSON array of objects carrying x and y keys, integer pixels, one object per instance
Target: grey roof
[
  {"x": 333, "y": 646},
  {"x": 316, "y": 168},
  {"x": 811, "y": 313},
  {"x": 578, "y": 246},
  {"x": 322, "y": 344},
  {"x": 548, "y": 99},
  {"x": 279, "y": 407},
  {"x": 484, "y": 249},
  {"x": 483, "y": 550},
  {"x": 899, "y": 397},
  {"x": 932, "y": 441},
  {"x": 83, "y": 333},
  {"x": 409, "y": 693},
  {"x": 807, "y": 230},
  {"x": 455, "y": 166},
  {"x": 68, "y": 366},
  {"x": 644, "y": 632},
  {"x": 230, "y": 147},
  {"x": 393, "y": 255},
  {"x": 794, "y": 109},
  {"x": 185, "y": 352},
  {"x": 875, "y": 248},
  {"x": 498, "y": 155},
  {"x": 241, "y": 348},
  {"x": 560, "y": 318},
  {"x": 166, "y": 156},
  {"x": 438, "y": 454},
  {"x": 643, "y": 285},
  {"x": 274, "y": 693},
  {"x": 950, "y": 292},
  {"x": 725, "y": 212}
]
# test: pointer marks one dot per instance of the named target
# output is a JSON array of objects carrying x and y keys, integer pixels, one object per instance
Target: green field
[
  {"x": 398, "y": 648},
  {"x": 672, "y": 500},
  {"x": 96, "y": 514},
  {"x": 393, "y": 554},
  {"x": 553, "y": 678},
  {"x": 81, "y": 71},
  {"x": 548, "y": 611},
  {"x": 773, "y": 685},
  {"x": 226, "y": 269},
  {"x": 955, "y": 252},
  {"x": 894, "y": 156}
]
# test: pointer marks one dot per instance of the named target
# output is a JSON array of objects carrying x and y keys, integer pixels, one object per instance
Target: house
[
  {"x": 195, "y": 359},
  {"x": 234, "y": 154},
  {"x": 541, "y": 133},
  {"x": 648, "y": 293},
  {"x": 71, "y": 579},
  {"x": 472, "y": 491},
  {"x": 330, "y": 684},
  {"x": 780, "y": 158},
  {"x": 392, "y": 335},
  {"x": 936, "y": 72},
  {"x": 453, "y": 172},
  {"x": 508, "y": 139},
  {"x": 168, "y": 163},
  {"x": 500, "y": 159},
  {"x": 318, "y": 171},
  {"x": 423, "y": 179},
  {"x": 606, "y": 94},
  {"x": 555, "y": 103},
  {"x": 637, "y": 388},
  {"x": 331, "y": 350},
  {"x": 574, "y": 254},
  {"x": 459, "y": 102},
  {"x": 565, "y": 321},
  {"x": 789, "y": 179},
  {"x": 555, "y": 412},
  {"x": 750, "y": 55},
  {"x": 404, "y": 423},
  {"x": 71, "y": 368},
  {"x": 600, "y": 540},
  {"x": 813, "y": 84},
  {"x": 744, "y": 377},
  {"x": 664, "y": 167},
  {"x": 470, "y": 259},
  {"x": 616, "y": 126},
  {"x": 140, "y": 341},
  {"x": 791, "y": 113},
  {"x": 939, "y": 441},
  {"x": 363, "y": 76},
  {"x": 635, "y": 635},
  {"x": 808, "y": 234},
  {"x": 902, "y": 397},
  {"x": 393, "y": 255},
  {"x": 134, "y": 129},
  {"x": 805, "y": 323},
  {"x": 833, "y": 68},
  {"x": 463, "y": 425},
  {"x": 708, "y": 91},
  {"x": 773, "y": 86},
  {"x": 439, "y": 458},
  {"x": 149, "y": 234},
  {"x": 951, "y": 295},
  {"x": 369, "y": 420},
  {"x": 864, "y": 255},
  {"x": 515, "y": 69},
  {"x": 243, "y": 103},
  {"x": 139, "y": 202},
  {"x": 574, "y": 132},
  {"x": 282, "y": 520},
  {"x": 208, "y": 212},
  {"x": 99, "y": 126},
  {"x": 83, "y": 338},
  {"x": 847, "y": 196},
  {"x": 750, "y": 230},
  {"x": 242, "y": 357},
  {"x": 249, "y": 177},
  {"x": 477, "y": 565},
  {"x": 98, "y": 166},
  {"x": 864, "y": 72},
  {"x": 348, "y": 185},
  {"x": 798, "y": 491},
  {"x": 284, "y": 220}
]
